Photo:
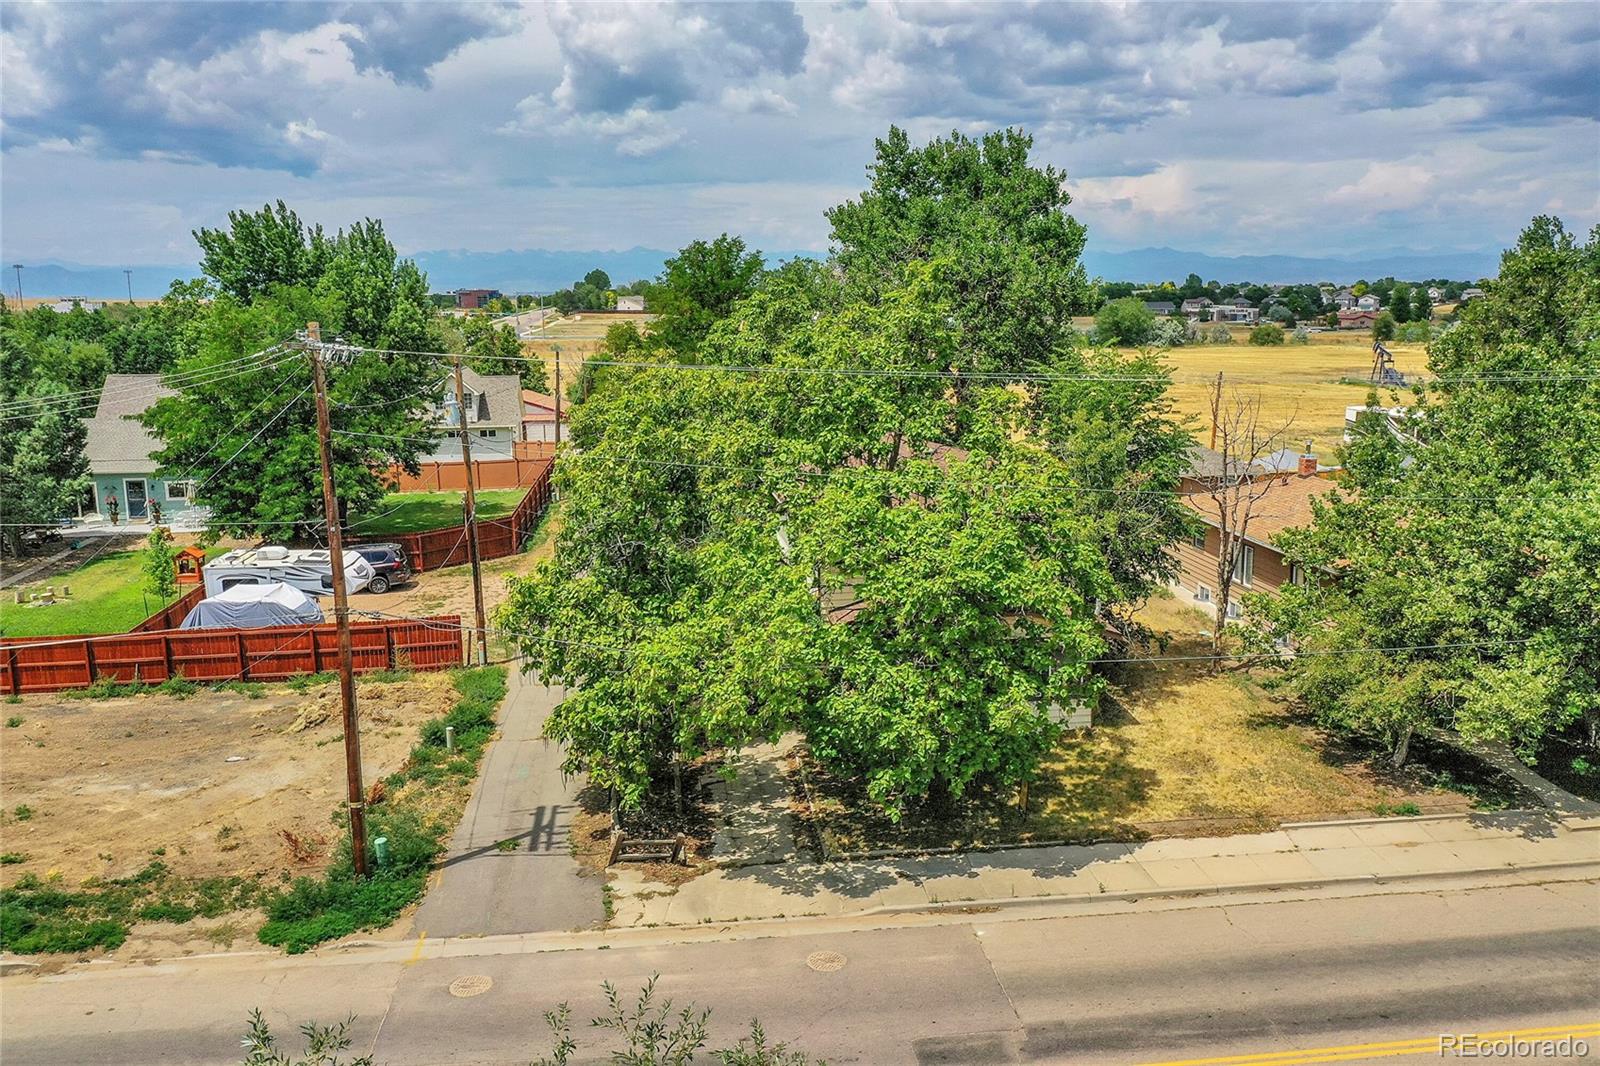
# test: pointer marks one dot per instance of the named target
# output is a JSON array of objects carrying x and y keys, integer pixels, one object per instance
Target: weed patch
[
  {"x": 38, "y": 917},
  {"x": 315, "y": 909}
]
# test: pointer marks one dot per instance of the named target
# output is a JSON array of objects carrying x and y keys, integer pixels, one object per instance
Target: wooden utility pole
[
  {"x": 1216, "y": 393},
  {"x": 355, "y": 794},
  {"x": 470, "y": 516},
  {"x": 558, "y": 393}
]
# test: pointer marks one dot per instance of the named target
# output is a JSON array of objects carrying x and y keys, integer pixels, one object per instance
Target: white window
[
  {"x": 1234, "y": 610},
  {"x": 1297, "y": 574},
  {"x": 1198, "y": 540},
  {"x": 1202, "y": 593},
  {"x": 179, "y": 490},
  {"x": 1244, "y": 565}
]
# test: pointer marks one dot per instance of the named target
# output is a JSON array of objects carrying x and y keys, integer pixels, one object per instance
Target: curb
[
  {"x": 1008, "y": 902},
  {"x": 1458, "y": 816}
]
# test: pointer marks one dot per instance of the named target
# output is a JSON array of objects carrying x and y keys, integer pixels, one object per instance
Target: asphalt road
[{"x": 1148, "y": 986}]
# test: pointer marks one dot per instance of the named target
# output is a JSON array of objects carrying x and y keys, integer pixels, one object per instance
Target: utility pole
[
  {"x": 355, "y": 795},
  {"x": 558, "y": 393},
  {"x": 1214, "y": 414},
  {"x": 18, "y": 268},
  {"x": 129, "y": 275},
  {"x": 470, "y": 516}
]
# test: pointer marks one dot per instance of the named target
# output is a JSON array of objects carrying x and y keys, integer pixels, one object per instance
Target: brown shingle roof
[{"x": 1286, "y": 504}]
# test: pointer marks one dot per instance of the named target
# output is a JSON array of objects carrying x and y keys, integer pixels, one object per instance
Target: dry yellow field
[
  {"x": 1298, "y": 381},
  {"x": 577, "y": 335}
]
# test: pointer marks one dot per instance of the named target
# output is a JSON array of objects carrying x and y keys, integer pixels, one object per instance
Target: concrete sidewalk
[
  {"x": 1294, "y": 856},
  {"x": 521, "y": 797}
]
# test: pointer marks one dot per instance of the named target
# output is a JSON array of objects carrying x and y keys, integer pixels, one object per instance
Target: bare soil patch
[{"x": 215, "y": 784}]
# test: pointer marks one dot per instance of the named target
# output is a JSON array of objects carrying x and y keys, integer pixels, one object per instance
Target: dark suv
[{"x": 389, "y": 565}]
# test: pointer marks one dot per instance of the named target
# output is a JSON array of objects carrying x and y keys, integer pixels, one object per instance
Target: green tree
[
  {"x": 1127, "y": 322},
  {"x": 1267, "y": 333},
  {"x": 261, "y": 249},
  {"x": 1471, "y": 545},
  {"x": 1400, "y": 303},
  {"x": 43, "y": 472},
  {"x": 699, "y": 287},
  {"x": 495, "y": 349},
  {"x": 246, "y": 434},
  {"x": 1383, "y": 327},
  {"x": 1015, "y": 279},
  {"x": 597, "y": 279},
  {"x": 160, "y": 565}
]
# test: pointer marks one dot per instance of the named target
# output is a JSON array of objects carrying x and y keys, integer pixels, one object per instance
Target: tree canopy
[{"x": 1470, "y": 543}]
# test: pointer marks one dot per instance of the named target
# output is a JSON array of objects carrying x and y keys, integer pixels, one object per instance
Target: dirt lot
[{"x": 108, "y": 784}]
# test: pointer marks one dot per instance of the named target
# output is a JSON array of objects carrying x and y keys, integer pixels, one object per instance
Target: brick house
[
  {"x": 470, "y": 299},
  {"x": 1286, "y": 504},
  {"x": 1357, "y": 319}
]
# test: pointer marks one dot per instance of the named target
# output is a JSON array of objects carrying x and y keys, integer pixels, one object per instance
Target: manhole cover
[
  {"x": 825, "y": 961},
  {"x": 475, "y": 985}
]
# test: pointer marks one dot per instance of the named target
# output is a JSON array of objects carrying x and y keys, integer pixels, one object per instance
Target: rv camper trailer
[{"x": 307, "y": 570}]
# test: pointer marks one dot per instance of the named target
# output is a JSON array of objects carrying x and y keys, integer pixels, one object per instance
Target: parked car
[{"x": 389, "y": 564}]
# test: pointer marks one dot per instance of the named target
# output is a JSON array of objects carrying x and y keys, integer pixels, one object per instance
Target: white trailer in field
[{"x": 309, "y": 570}]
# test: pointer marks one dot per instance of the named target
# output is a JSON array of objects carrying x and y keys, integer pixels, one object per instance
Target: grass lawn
[
  {"x": 414, "y": 512},
  {"x": 108, "y": 596},
  {"x": 1176, "y": 751}
]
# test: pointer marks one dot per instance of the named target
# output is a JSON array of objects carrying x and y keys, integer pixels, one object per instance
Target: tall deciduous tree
[
  {"x": 1470, "y": 545},
  {"x": 1016, "y": 279},
  {"x": 246, "y": 434},
  {"x": 260, "y": 249},
  {"x": 698, "y": 287}
]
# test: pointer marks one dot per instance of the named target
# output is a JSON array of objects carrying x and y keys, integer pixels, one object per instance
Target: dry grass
[
  {"x": 1298, "y": 381},
  {"x": 1176, "y": 751}
]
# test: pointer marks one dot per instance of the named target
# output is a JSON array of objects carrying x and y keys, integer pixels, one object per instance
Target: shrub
[
  {"x": 1383, "y": 327},
  {"x": 1301, "y": 335},
  {"x": 1267, "y": 333},
  {"x": 1127, "y": 322},
  {"x": 11, "y": 858},
  {"x": 14, "y": 721},
  {"x": 323, "y": 1044},
  {"x": 1173, "y": 332},
  {"x": 1219, "y": 334}
]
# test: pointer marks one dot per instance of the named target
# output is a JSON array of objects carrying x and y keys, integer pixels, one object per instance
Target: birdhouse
[{"x": 189, "y": 562}]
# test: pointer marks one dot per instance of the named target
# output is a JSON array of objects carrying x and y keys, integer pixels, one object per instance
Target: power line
[
  {"x": 87, "y": 405},
  {"x": 268, "y": 354}
]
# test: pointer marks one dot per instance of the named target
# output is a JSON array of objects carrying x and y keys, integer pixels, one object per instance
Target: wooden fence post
[
  {"x": 88, "y": 660},
  {"x": 388, "y": 643},
  {"x": 16, "y": 670},
  {"x": 166, "y": 653},
  {"x": 244, "y": 665}
]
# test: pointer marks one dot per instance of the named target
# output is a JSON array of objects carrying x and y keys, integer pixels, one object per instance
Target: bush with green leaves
[
  {"x": 1126, "y": 322},
  {"x": 1301, "y": 335},
  {"x": 1267, "y": 333},
  {"x": 1173, "y": 333},
  {"x": 652, "y": 1033},
  {"x": 1383, "y": 327},
  {"x": 1219, "y": 334}
]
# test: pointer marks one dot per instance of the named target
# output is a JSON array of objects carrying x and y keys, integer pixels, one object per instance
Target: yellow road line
[
  {"x": 416, "y": 952},
  {"x": 1382, "y": 1049}
]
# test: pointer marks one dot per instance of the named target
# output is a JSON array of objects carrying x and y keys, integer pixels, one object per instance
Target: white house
[
  {"x": 539, "y": 416},
  {"x": 66, "y": 303},
  {"x": 1344, "y": 299},
  {"x": 1369, "y": 302},
  {"x": 493, "y": 414},
  {"x": 630, "y": 303},
  {"x": 1435, "y": 294}
]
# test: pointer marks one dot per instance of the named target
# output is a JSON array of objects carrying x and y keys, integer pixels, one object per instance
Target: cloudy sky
[{"x": 1231, "y": 128}]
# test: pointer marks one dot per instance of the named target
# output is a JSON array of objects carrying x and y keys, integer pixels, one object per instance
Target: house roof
[
  {"x": 1159, "y": 306},
  {"x": 502, "y": 393},
  {"x": 539, "y": 407},
  {"x": 117, "y": 443},
  {"x": 1285, "y": 504}
]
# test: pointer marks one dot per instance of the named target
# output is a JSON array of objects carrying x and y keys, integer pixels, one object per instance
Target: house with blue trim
[{"x": 120, "y": 453}]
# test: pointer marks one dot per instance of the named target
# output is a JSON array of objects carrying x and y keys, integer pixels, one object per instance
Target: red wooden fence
[
  {"x": 497, "y": 537},
  {"x": 172, "y": 616},
  {"x": 50, "y": 664},
  {"x": 525, "y": 467}
]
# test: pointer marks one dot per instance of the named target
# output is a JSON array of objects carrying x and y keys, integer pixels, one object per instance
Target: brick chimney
[{"x": 1308, "y": 462}]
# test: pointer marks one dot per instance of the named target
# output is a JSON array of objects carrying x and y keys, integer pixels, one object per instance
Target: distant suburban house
[
  {"x": 467, "y": 299},
  {"x": 1344, "y": 299},
  {"x": 1435, "y": 294},
  {"x": 1160, "y": 307},
  {"x": 630, "y": 303},
  {"x": 1260, "y": 567},
  {"x": 1229, "y": 312},
  {"x": 539, "y": 416},
  {"x": 66, "y": 304},
  {"x": 1357, "y": 319},
  {"x": 119, "y": 450},
  {"x": 1197, "y": 306},
  {"x": 1369, "y": 302},
  {"x": 493, "y": 414},
  {"x": 1471, "y": 294}
]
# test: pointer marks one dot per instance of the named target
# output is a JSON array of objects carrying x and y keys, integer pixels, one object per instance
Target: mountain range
[{"x": 543, "y": 270}]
